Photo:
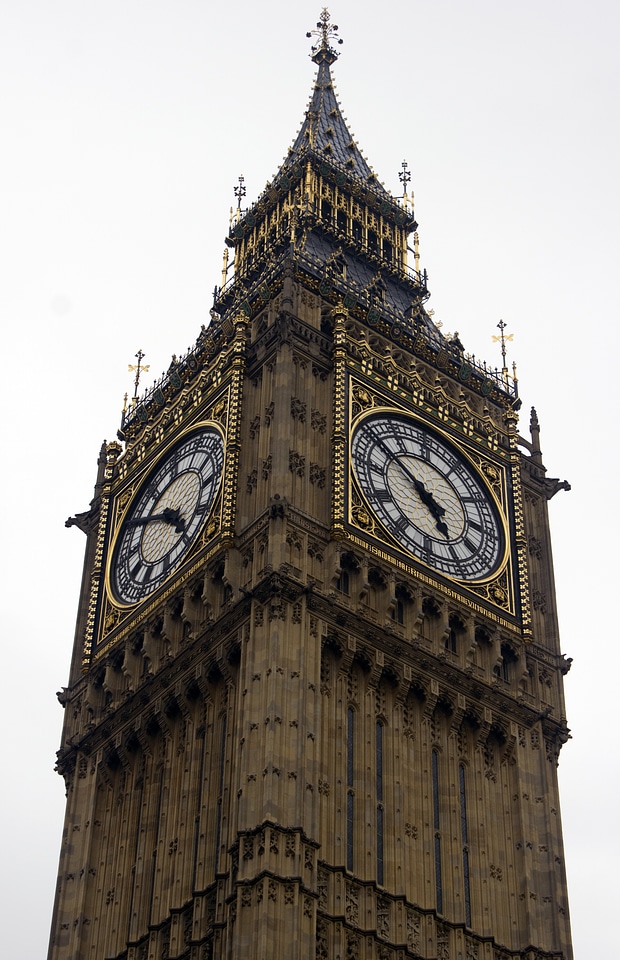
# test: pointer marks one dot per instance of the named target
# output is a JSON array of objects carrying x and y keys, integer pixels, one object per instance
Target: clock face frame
[
  {"x": 167, "y": 514},
  {"x": 428, "y": 496}
]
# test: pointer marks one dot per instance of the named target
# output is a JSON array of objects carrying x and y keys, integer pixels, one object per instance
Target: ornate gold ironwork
[
  {"x": 139, "y": 368},
  {"x": 363, "y": 397},
  {"x": 503, "y": 338},
  {"x": 325, "y": 31},
  {"x": 339, "y": 436},
  {"x": 240, "y": 192}
]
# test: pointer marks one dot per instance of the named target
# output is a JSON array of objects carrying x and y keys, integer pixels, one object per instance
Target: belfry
[{"x": 315, "y": 706}]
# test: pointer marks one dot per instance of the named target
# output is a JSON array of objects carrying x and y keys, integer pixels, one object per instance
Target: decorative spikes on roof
[{"x": 324, "y": 129}]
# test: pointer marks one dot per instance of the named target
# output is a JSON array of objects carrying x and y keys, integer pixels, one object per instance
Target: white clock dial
[
  {"x": 167, "y": 516},
  {"x": 427, "y": 496}
]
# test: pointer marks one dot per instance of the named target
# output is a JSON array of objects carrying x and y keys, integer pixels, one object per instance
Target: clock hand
[
  {"x": 425, "y": 495},
  {"x": 427, "y": 499},
  {"x": 167, "y": 516}
]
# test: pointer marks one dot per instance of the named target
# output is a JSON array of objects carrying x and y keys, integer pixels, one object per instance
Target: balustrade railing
[{"x": 377, "y": 309}]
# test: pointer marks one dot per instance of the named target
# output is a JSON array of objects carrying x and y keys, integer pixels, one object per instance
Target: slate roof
[
  {"x": 325, "y": 131},
  {"x": 398, "y": 297}
]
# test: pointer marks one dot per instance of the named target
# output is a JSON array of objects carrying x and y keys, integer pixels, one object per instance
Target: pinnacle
[{"x": 325, "y": 131}]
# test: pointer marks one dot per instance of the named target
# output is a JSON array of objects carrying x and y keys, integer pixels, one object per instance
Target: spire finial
[
  {"x": 503, "y": 338},
  {"x": 140, "y": 368},
  {"x": 404, "y": 175},
  {"x": 324, "y": 30},
  {"x": 240, "y": 194}
]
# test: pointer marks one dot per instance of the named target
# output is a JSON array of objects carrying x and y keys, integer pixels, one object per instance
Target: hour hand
[
  {"x": 168, "y": 515},
  {"x": 428, "y": 500},
  {"x": 443, "y": 528},
  {"x": 438, "y": 512}
]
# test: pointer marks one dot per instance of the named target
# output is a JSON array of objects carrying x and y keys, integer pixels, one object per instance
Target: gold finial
[
  {"x": 240, "y": 191},
  {"x": 140, "y": 368},
  {"x": 299, "y": 210},
  {"x": 503, "y": 339},
  {"x": 313, "y": 119},
  {"x": 405, "y": 177},
  {"x": 416, "y": 253},
  {"x": 240, "y": 194},
  {"x": 324, "y": 30}
]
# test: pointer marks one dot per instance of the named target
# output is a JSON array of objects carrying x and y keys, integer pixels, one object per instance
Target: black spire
[{"x": 324, "y": 130}]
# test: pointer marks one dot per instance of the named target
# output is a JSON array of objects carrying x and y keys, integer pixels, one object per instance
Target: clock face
[
  {"x": 427, "y": 496},
  {"x": 167, "y": 516}
]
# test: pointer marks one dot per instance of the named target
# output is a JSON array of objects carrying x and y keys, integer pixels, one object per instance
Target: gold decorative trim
[
  {"x": 233, "y": 438},
  {"x": 339, "y": 435},
  {"x": 160, "y": 598},
  {"x": 499, "y": 588},
  {"x": 119, "y": 515},
  {"x": 221, "y": 411},
  {"x": 112, "y": 453},
  {"x": 416, "y": 574},
  {"x": 521, "y": 547}
]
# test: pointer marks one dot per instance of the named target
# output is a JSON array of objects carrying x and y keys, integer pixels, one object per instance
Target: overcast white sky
[{"x": 125, "y": 126}]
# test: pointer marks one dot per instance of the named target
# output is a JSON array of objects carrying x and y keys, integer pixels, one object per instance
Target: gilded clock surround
[
  {"x": 126, "y": 501},
  {"x": 220, "y": 408},
  {"x": 372, "y": 371}
]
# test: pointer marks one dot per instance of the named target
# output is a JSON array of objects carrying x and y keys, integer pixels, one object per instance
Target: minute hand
[
  {"x": 168, "y": 516},
  {"x": 427, "y": 499}
]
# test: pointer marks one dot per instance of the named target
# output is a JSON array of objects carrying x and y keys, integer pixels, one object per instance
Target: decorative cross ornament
[
  {"x": 324, "y": 30},
  {"x": 502, "y": 338},
  {"x": 404, "y": 175},
  {"x": 240, "y": 191},
  {"x": 140, "y": 368}
]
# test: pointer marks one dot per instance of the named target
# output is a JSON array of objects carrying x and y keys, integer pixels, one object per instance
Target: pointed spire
[
  {"x": 326, "y": 198},
  {"x": 324, "y": 129}
]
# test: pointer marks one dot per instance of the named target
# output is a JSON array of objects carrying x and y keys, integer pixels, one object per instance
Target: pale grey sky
[{"x": 125, "y": 127}]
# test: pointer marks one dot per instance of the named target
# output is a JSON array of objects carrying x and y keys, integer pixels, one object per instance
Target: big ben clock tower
[{"x": 315, "y": 706}]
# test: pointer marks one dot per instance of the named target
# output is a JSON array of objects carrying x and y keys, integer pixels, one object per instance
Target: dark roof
[
  {"x": 398, "y": 297},
  {"x": 324, "y": 130}
]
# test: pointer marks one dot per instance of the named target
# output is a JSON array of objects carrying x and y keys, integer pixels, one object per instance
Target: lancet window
[
  {"x": 437, "y": 833},
  {"x": 350, "y": 785},
  {"x": 464, "y": 841}
]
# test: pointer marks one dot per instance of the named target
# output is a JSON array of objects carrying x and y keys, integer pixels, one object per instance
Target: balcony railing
[{"x": 240, "y": 292}]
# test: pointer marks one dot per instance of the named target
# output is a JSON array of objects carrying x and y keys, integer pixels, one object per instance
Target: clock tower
[{"x": 315, "y": 706}]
